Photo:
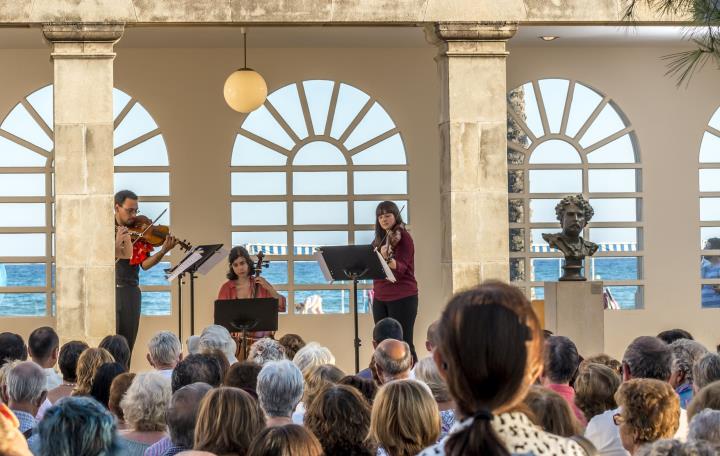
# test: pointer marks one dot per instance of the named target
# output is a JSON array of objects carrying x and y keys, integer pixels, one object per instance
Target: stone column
[
  {"x": 82, "y": 56},
  {"x": 474, "y": 183}
]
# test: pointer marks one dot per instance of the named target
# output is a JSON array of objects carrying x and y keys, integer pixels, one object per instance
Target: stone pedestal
[{"x": 575, "y": 310}]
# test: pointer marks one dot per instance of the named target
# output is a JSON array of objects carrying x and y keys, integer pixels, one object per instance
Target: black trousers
[
  {"x": 127, "y": 313},
  {"x": 404, "y": 311}
]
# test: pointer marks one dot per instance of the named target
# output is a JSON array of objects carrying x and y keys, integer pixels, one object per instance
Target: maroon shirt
[{"x": 404, "y": 273}]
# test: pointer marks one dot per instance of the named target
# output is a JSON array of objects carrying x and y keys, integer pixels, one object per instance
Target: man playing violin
[{"x": 130, "y": 256}]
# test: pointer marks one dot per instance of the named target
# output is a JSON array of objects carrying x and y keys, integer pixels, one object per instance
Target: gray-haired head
[
  {"x": 164, "y": 350},
  {"x": 706, "y": 370},
  {"x": 686, "y": 353},
  {"x": 193, "y": 344},
  {"x": 217, "y": 337},
  {"x": 146, "y": 400},
  {"x": 311, "y": 355},
  {"x": 647, "y": 357},
  {"x": 181, "y": 414},
  {"x": 26, "y": 383},
  {"x": 678, "y": 448},
  {"x": 265, "y": 350},
  {"x": 279, "y": 388},
  {"x": 705, "y": 426},
  {"x": 393, "y": 359}
]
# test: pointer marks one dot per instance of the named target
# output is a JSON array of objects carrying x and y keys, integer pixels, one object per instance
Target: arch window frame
[{"x": 714, "y": 132}]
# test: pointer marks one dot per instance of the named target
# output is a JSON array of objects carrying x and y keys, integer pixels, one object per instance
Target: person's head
[
  {"x": 647, "y": 357},
  {"x": 387, "y": 328},
  {"x": 242, "y": 420},
  {"x": 605, "y": 360},
  {"x": 126, "y": 207},
  {"x": 365, "y": 386},
  {"x": 686, "y": 353},
  {"x": 118, "y": 388},
  {"x": 340, "y": 418},
  {"x": 288, "y": 440},
  {"x": 667, "y": 447},
  {"x": 706, "y": 398},
  {"x": 104, "y": 376},
  {"x": 265, "y": 350},
  {"x": 311, "y": 355},
  {"x": 650, "y": 410},
  {"x": 243, "y": 375},
  {"x": 552, "y": 412},
  {"x": 561, "y": 360},
  {"x": 145, "y": 402},
  {"x": 240, "y": 263},
  {"x": 68, "y": 359},
  {"x": 489, "y": 352},
  {"x": 671, "y": 335},
  {"x": 77, "y": 426},
  {"x": 317, "y": 379},
  {"x": 25, "y": 387},
  {"x": 196, "y": 368},
  {"x": 118, "y": 347},
  {"x": 221, "y": 359},
  {"x": 43, "y": 346},
  {"x": 706, "y": 370},
  {"x": 393, "y": 360},
  {"x": 12, "y": 347},
  {"x": 87, "y": 364},
  {"x": 390, "y": 427},
  {"x": 181, "y": 414},
  {"x": 279, "y": 388},
  {"x": 164, "y": 350},
  {"x": 573, "y": 212},
  {"x": 705, "y": 426},
  {"x": 427, "y": 372},
  {"x": 291, "y": 343},
  {"x": 193, "y": 344},
  {"x": 218, "y": 337},
  {"x": 387, "y": 216},
  {"x": 595, "y": 388},
  {"x": 431, "y": 337}
]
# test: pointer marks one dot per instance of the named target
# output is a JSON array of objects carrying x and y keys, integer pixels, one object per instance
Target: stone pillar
[
  {"x": 82, "y": 56},
  {"x": 474, "y": 182}
]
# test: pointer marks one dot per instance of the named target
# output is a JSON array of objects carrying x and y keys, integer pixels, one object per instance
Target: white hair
[
  {"x": 25, "y": 382},
  {"x": 265, "y": 350},
  {"x": 165, "y": 348},
  {"x": 193, "y": 345},
  {"x": 686, "y": 353},
  {"x": 146, "y": 400},
  {"x": 705, "y": 426},
  {"x": 279, "y": 388},
  {"x": 311, "y": 355},
  {"x": 216, "y": 337}
]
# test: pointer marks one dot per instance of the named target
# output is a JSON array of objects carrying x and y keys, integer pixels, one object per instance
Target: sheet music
[
  {"x": 213, "y": 260},
  {"x": 182, "y": 267},
  {"x": 386, "y": 268}
]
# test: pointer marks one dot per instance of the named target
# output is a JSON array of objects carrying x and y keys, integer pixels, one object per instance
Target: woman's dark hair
[
  {"x": 68, "y": 358},
  {"x": 484, "y": 334},
  {"x": 292, "y": 344},
  {"x": 386, "y": 207},
  {"x": 104, "y": 376},
  {"x": 552, "y": 412},
  {"x": 118, "y": 347},
  {"x": 365, "y": 386},
  {"x": 236, "y": 253},
  {"x": 288, "y": 440}
]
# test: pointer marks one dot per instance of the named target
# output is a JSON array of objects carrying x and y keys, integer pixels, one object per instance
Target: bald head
[{"x": 393, "y": 360}]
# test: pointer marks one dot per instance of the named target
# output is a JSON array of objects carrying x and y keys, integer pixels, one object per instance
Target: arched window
[
  {"x": 566, "y": 138},
  {"x": 308, "y": 169},
  {"x": 710, "y": 213},
  {"x": 26, "y": 198}
]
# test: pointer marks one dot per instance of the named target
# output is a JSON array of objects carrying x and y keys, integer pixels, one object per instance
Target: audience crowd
[{"x": 492, "y": 383}]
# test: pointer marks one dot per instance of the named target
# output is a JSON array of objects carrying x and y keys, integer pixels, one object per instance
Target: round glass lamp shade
[{"x": 245, "y": 90}]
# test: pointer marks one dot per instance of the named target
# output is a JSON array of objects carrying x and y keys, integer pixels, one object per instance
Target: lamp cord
[{"x": 244, "y": 48}]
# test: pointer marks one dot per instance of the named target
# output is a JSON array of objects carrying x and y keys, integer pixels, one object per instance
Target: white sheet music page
[
  {"x": 388, "y": 272},
  {"x": 182, "y": 267}
]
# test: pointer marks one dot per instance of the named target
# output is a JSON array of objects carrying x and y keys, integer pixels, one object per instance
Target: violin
[
  {"x": 392, "y": 239},
  {"x": 258, "y": 269},
  {"x": 143, "y": 228}
]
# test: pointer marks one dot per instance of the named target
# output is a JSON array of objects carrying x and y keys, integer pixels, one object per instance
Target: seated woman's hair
[
  {"x": 427, "y": 372},
  {"x": 311, "y": 355},
  {"x": 595, "y": 388},
  {"x": 104, "y": 377},
  {"x": 318, "y": 378},
  {"x": 243, "y": 375},
  {"x": 391, "y": 427},
  {"x": 677, "y": 448},
  {"x": 605, "y": 360},
  {"x": 220, "y": 357},
  {"x": 340, "y": 417},
  {"x": 288, "y": 440},
  {"x": 551, "y": 412},
  {"x": 88, "y": 362},
  {"x": 77, "y": 426},
  {"x": 145, "y": 402},
  {"x": 68, "y": 359},
  {"x": 265, "y": 350},
  {"x": 650, "y": 410},
  {"x": 118, "y": 347},
  {"x": 705, "y": 426},
  {"x": 242, "y": 420},
  {"x": 365, "y": 386},
  {"x": 708, "y": 397},
  {"x": 291, "y": 343},
  {"x": 118, "y": 388}
]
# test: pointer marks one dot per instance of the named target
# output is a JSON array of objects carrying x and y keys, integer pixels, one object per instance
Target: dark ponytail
[{"x": 478, "y": 439}]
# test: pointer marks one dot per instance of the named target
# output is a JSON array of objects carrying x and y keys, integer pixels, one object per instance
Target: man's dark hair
[
  {"x": 181, "y": 414},
  {"x": 243, "y": 375},
  {"x": 118, "y": 346},
  {"x": 67, "y": 361},
  {"x": 648, "y": 357},
  {"x": 387, "y": 328},
  {"x": 42, "y": 342},
  {"x": 671, "y": 335},
  {"x": 12, "y": 347},
  {"x": 122, "y": 195},
  {"x": 561, "y": 359},
  {"x": 196, "y": 368}
]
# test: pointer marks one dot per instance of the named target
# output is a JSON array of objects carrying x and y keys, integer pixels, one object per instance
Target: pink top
[
  {"x": 568, "y": 393},
  {"x": 404, "y": 273},
  {"x": 229, "y": 291}
]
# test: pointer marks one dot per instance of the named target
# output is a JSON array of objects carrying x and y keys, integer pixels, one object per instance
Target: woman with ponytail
[{"x": 490, "y": 353}]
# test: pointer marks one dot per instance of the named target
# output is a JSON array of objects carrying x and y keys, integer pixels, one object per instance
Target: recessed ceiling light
[{"x": 548, "y": 37}]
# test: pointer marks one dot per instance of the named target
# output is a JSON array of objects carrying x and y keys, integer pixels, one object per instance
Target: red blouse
[{"x": 229, "y": 291}]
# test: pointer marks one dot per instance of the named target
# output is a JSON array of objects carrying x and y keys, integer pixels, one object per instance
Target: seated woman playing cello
[{"x": 243, "y": 284}]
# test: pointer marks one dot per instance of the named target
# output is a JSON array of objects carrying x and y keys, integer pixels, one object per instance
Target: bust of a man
[{"x": 573, "y": 212}]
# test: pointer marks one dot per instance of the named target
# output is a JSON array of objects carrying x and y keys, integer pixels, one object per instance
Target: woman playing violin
[
  {"x": 397, "y": 300},
  {"x": 242, "y": 284}
]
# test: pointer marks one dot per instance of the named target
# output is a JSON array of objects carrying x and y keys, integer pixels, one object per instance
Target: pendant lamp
[{"x": 245, "y": 90}]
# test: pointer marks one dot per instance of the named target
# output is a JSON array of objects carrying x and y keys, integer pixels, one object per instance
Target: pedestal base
[{"x": 575, "y": 310}]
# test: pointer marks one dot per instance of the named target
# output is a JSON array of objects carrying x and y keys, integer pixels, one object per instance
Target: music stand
[
  {"x": 354, "y": 262},
  {"x": 257, "y": 314}
]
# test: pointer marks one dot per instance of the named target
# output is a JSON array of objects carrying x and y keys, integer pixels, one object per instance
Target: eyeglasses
[
  {"x": 131, "y": 210},
  {"x": 618, "y": 419}
]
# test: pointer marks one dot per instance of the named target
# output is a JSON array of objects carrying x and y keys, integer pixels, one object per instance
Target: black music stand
[
  {"x": 243, "y": 315},
  {"x": 354, "y": 262}
]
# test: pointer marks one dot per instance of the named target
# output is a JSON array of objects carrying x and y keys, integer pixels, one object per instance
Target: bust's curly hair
[{"x": 577, "y": 200}]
